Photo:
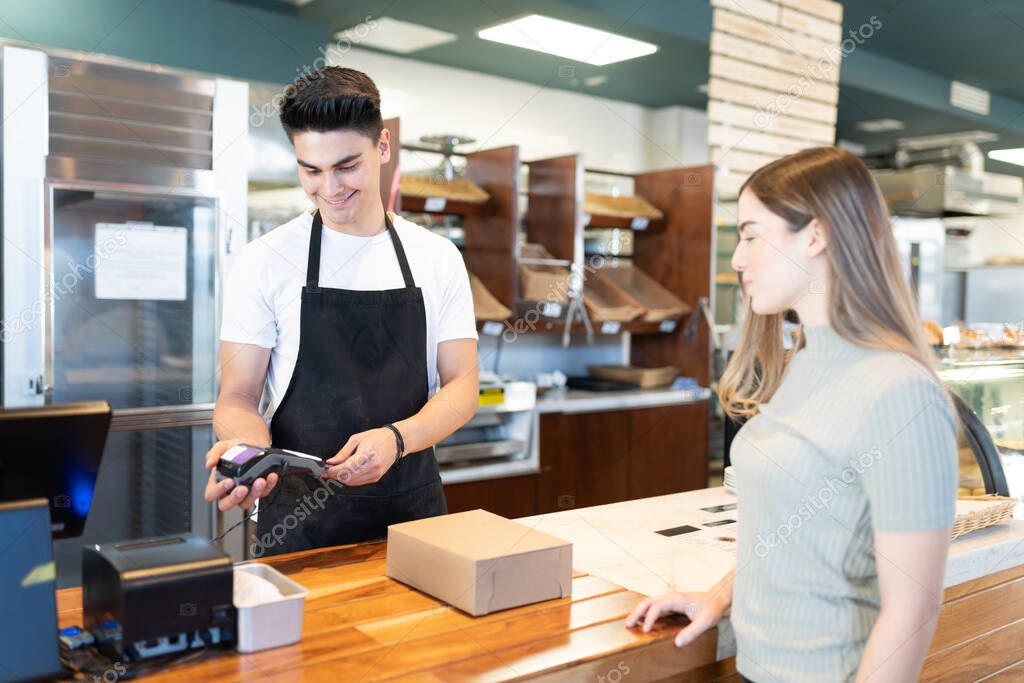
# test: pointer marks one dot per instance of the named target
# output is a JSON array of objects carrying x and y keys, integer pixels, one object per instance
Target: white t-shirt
[{"x": 262, "y": 295}]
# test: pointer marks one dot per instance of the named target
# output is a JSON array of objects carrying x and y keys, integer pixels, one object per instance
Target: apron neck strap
[
  {"x": 316, "y": 235},
  {"x": 313, "y": 264},
  {"x": 403, "y": 262}
]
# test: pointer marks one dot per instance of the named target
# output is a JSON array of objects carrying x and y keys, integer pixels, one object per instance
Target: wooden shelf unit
[
  {"x": 491, "y": 227},
  {"x": 491, "y": 249},
  {"x": 389, "y": 171},
  {"x": 675, "y": 250},
  {"x": 620, "y": 222},
  {"x": 679, "y": 257},
  {"x": 555, "y": 214},
  {"x": 452, "y": 207}
]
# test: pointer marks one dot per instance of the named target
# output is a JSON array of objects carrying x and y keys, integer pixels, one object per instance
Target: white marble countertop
[
  {"x": 617, "y": 543},
  {"x": 577, "y": 401},
  {"x": 985, "y": 552}
]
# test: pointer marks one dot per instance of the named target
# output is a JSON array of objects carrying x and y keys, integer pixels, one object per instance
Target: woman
[{"x": 846, "y": 466}]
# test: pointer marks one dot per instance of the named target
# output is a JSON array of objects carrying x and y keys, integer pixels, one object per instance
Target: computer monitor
[
  {"x": 54, "y": 452},
  {"x": 28, "y": 631}
]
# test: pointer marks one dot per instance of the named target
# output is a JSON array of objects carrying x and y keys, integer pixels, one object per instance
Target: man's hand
[
  {"x": 365, "y": 458},
  {"x": 221, "y": 491},
  {"x": 243, "y": 373}
]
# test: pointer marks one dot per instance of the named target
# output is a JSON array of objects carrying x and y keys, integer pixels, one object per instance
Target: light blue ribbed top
[{"x": 855, "y": 440}]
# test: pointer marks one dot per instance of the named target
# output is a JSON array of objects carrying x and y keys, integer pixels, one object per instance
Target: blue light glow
[{"x": 82, "y": 486}]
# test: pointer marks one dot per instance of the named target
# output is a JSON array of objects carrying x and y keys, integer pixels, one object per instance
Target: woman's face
[{"x": 775, "y": 264}]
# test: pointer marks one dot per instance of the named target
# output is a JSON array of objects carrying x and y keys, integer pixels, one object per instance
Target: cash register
[
  {"x": 49, "y": 462},
  {"x": 143, "y": 600}
]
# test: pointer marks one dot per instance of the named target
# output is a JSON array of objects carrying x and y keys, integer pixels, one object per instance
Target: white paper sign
[
  {"x": 667, "y": 326},
  {"x": 951, "y": 335},
  {"x": 492, "y": 328},
  {"x": 141, "y": 261},
  {"x": 610, "y": 327},
  {"x": 434, "y": 204},
  {"x": 639, "y": 223},
  {"x": 550, "y": 309}
]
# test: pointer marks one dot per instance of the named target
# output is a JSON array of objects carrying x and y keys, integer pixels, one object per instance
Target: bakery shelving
[
  {"x": 623, "y": 212},
  {"x": 489, "y": 226}
]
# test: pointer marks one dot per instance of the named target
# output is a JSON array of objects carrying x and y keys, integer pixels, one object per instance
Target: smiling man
[{"x": 360, "y": 326}]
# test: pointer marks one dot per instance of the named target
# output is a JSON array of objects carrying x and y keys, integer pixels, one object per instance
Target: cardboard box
[{"x": 479, "y": 562}]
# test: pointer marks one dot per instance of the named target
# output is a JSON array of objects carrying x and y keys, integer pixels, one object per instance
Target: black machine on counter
[
  {"x": 157, "y": 596},
  {"x": 144, "y": 601},
  {"x": 54, "y": 452}
]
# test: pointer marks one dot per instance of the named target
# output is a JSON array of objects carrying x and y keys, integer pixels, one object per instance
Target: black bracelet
[{"x": 398, "y": 439}]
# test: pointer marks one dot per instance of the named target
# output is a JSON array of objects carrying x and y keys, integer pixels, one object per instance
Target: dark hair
[{"x": 329, "y": 99}]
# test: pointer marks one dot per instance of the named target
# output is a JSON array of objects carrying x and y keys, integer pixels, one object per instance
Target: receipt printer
[{"x": 155, "y": 596}]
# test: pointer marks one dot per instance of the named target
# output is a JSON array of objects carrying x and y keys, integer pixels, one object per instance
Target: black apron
[{"x": 362, "y": 363}]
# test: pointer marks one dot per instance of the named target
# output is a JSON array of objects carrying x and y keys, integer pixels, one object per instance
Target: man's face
[{"x": 340, "y": 172}]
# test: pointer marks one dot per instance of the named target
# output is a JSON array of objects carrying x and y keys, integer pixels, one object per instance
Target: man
[{"x": 347, "y": 316}]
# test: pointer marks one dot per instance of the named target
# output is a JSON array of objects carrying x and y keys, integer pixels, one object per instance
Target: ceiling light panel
[
  {"x": 393, "y": 35},
  {"x": 1009, "y": 156},
  {"x": 566, "y": 39}
]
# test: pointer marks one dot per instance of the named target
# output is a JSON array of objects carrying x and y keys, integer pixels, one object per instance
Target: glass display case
[{"x": 991, "y": 384}]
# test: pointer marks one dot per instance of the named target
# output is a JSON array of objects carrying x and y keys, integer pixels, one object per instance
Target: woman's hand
[{"x": 705, "y": 610}]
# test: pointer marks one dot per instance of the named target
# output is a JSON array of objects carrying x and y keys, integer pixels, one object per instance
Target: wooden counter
[{"x": 362, "y": 626}]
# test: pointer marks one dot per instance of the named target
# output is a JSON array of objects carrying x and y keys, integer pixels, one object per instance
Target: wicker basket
[
  {"x": 645, "y": 378},
  {"x": 457, "y": 189},
  {"x": 1011, "y": 444},
  {"x": 1000, "y": 510}
]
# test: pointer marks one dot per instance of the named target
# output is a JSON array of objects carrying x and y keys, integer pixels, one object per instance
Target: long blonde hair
[{"x": 870, "y": 301}]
